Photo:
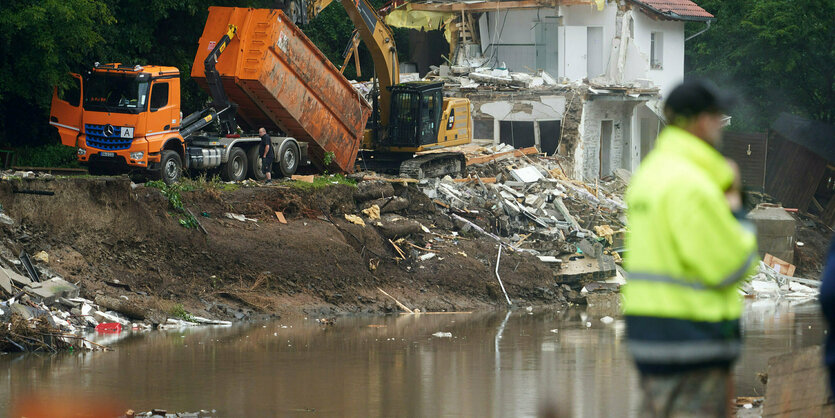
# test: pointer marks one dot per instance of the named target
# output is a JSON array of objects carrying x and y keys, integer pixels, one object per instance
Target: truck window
[
  {"x": 119, "y": 93},
  {"x": 159, "y": 96}
]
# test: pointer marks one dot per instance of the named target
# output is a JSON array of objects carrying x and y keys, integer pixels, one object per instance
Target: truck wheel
[
  {"x": 171, "y": 167},
  {"x": 288, "y": 158},
  {"x": 235, "y": 167},
  {"x": 255, "y": 162}
]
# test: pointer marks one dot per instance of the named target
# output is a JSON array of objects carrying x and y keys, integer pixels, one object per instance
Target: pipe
[
  {"x": 499, "y": 277},
  {"x": 707, "y": 26}
]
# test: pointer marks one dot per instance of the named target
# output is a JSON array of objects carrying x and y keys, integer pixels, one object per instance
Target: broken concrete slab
[
  {"x": 16, "y": 279},
  {"x": 528, "y": 174},
  {"x": 49, "y": 291},
  {"x": 592, "y": 249},
  {"x": 584, "y": 270}
]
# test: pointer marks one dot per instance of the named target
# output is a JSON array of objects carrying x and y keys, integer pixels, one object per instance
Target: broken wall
[
  {"x": 672, "y": 51},
  {"x": 605, "y": 136}
]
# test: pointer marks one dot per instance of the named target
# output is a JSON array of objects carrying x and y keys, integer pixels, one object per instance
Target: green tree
[
  {"x": 778, "y": 56},
  {"x": 42, "y": 42}
]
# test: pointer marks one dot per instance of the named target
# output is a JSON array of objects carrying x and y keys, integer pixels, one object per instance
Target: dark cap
[{"x": 693, "y": 97}]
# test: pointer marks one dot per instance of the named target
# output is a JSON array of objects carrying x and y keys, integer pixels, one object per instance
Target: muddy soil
[{"x": 122, "y": 240}]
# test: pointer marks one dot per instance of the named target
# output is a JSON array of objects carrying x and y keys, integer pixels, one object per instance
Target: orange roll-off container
[{"x": 280, "y": 80}]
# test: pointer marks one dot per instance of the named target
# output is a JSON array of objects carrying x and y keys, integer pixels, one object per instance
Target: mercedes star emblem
[{"x": 108, "y": 130}]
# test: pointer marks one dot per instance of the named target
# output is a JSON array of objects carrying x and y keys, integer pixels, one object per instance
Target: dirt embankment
[{"x": 117, "y": 239}]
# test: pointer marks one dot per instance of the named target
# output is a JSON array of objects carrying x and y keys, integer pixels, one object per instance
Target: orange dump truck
[{"x": 260, "y": 70}]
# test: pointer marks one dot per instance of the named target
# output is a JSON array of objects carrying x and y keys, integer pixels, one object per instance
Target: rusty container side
[{"x": 279, "y": 79}]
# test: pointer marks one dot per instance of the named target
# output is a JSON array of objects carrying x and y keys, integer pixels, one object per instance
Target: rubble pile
[
  {"x": 517, "y": 198},
  {"x": 770, "y": 284},
  {"x": 528, "y": 197},
  {"x": 40, "y": 311}
]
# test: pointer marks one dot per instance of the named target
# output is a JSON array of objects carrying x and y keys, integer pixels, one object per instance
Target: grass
[
  {"x": 178, "y": 311},
  {"x": 321, "y": 182}
]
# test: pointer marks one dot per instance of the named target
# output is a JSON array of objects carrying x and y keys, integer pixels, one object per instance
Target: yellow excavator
[{"x": 410, "y": 117}]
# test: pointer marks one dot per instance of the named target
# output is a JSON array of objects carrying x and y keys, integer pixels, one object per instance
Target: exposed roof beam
[{"x": 487, "y": 6}]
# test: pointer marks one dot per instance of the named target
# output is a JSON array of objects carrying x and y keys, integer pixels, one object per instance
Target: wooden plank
[
  {"x": 785, "y": 268},
  {"x": 280, "y": 217},
  {"x": 306, "y": 179},
  {"x": 515, "y": 153},
  {"x": 485, "y": 180},
  {"x": 390, "y": 180}
]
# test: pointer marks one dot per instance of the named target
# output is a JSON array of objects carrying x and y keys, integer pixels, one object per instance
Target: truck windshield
[{"x": 121, "y": 93}]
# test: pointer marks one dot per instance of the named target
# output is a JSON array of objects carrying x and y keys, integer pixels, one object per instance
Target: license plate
[{"x": 108, "y": 154}]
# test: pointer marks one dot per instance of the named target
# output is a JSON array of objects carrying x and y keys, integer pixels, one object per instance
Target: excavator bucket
[{"x": 65, "y": 112}]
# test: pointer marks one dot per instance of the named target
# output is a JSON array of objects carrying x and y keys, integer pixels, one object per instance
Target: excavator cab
[{"x": 415, "y": 116}]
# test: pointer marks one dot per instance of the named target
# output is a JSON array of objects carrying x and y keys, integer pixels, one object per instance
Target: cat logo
[{"x": 451, "y": 120}]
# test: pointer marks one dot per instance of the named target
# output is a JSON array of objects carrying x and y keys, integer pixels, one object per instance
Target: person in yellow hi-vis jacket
[{"x": 688, "y": 247}]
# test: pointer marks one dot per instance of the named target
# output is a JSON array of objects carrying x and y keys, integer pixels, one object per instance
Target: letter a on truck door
[{"x": 65, "y": 112}]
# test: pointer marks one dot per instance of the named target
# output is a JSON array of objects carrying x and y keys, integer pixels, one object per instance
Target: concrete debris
[
  {"x": 518, "y": 198},
  {"x": 769, "y": 284}
]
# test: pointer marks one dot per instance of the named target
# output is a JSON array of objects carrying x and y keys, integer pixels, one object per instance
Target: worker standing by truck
[
  {"x": 687, "y": 251},
  {"x": 266, "y": 152}
]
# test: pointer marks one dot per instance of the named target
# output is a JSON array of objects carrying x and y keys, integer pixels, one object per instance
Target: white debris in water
[
  {"x": 442, "y": 334},
  {"x": 555, "y": 330},
  {"x": 748, "y": 406},
  {"x": 607, "y": 320},
  {"x": 588, "y": 324},
  {"x": 529, "y": 308}
]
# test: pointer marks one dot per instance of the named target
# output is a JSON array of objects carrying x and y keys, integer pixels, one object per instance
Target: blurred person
[
  {"x": 687, "y": 249},
  {"x": 827, "y": 301}
]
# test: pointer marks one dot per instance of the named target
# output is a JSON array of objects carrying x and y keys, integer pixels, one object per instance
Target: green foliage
[
  {"x": 178, "y": 311},
  {"x": 776, "y": 56},
  {"x": 320, "y": 182},
  {"x": 175, "y": 199},
  {"x": 50, "y": 155}
]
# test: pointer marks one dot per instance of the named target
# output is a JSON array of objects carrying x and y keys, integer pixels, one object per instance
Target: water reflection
[{"x": 495, "y": 364}]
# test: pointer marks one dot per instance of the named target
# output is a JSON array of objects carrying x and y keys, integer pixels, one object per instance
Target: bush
[{"x": 53, "y": 155}]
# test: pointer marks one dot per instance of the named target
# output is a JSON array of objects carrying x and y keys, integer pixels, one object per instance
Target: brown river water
[{"x": 495, "y": 364}]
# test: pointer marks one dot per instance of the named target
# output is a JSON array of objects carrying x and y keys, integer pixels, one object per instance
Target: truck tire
[
  {"x": 288, "y": 158},
  {"x": 255, "y": 160},
  {"x": 235, "y": 167},
  {"x": 171, "y": 167}
]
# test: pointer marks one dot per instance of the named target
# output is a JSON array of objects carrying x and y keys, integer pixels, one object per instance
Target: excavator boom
[{"x": 380, "y": 42}]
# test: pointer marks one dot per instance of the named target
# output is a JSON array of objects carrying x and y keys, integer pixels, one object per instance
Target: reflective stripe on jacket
[{"x": 686, "y": 255}]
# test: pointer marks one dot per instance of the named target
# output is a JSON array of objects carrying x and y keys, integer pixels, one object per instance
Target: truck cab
[{"x": 122, "y": 117}]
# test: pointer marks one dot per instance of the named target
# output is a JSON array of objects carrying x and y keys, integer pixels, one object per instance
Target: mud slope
[{"x": 102, "y": 231}]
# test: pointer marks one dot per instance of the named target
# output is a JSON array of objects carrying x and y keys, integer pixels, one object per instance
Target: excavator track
[{"x": 434, "y": 165}]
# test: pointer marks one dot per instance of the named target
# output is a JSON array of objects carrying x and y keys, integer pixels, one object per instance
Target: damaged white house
[{"x": 609, "y": 63}]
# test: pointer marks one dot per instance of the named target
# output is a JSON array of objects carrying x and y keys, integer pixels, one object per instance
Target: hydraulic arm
[{"x": 220, "y": 101}]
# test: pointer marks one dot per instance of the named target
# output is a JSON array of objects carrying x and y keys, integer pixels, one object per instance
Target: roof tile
[{"x": 670, "y": 8}]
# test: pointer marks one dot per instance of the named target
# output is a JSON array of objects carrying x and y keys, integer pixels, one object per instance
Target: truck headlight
[
  {"x": 82, "y": 151},
  {"x": 137, "y": 155}
]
